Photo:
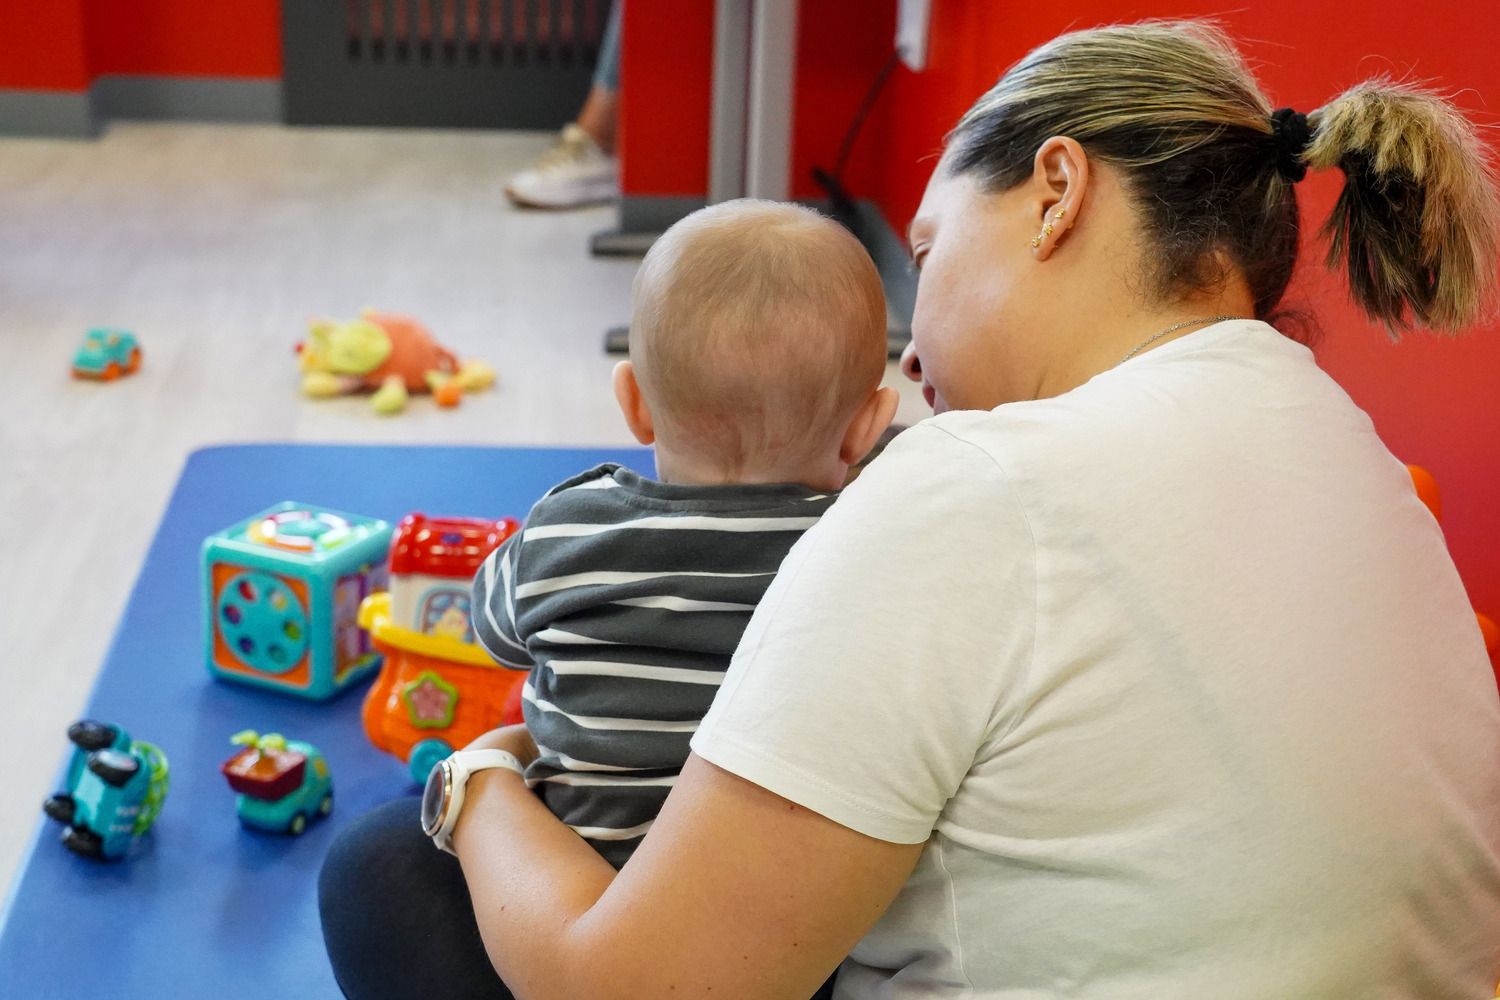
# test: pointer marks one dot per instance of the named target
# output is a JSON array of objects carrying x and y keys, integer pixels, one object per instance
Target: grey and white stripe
[{"x": 625, "y": 599}]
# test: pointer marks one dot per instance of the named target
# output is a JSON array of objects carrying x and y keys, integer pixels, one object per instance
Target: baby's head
[{"x": 757, "y": 347}]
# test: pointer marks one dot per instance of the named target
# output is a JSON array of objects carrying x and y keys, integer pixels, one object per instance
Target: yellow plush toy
[{"x": 389, "y": 355}]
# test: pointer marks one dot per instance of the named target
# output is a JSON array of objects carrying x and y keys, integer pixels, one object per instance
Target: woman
[{"x": 1137, "y": 672}]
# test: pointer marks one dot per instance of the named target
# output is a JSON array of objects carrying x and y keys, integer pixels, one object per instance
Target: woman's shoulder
[
  {"x": 1195, "y": 392},
  {"x": 940, "y": 475},
  {"x": 959, "y": 444},
  {"x": 954, "y": 447}
]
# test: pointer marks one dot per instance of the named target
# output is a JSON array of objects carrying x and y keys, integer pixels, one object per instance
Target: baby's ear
[
  {"x": 869, "y": 422},
  {"x": 633, "y": 403}
]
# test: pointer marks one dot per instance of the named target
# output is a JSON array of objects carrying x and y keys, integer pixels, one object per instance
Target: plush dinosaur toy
[{"x": 389, "y": 355}]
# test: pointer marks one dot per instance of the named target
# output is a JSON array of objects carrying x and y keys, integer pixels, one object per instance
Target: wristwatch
[{"x": 443, "y": 798}]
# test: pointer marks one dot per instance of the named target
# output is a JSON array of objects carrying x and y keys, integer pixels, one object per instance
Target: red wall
[
  {"x": 238, "y": 38},
  {"x": 666, "y": 68},
  {"x": 42, "y": 45},
  {"x": 838, "y": 58},
  {"x": 1435, "y": 402},
  {"x": 666, "y": 83},
  {"x": 65, "y": 44}
]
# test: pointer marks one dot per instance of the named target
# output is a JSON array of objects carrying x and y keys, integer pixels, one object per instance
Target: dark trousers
[{"x": 397, "y": 920}]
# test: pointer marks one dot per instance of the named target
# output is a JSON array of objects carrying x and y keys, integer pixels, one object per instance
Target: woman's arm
[{"x": 736, "y": 893}]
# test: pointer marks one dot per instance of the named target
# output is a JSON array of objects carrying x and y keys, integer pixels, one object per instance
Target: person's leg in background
[
  {"x": 397, "y": 921},
  {"x": 600, "y": 112},
  {"x": 581, "y": 169}
]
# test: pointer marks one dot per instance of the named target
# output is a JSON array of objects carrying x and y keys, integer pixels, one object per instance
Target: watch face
[{"x": 435, "y": 798}]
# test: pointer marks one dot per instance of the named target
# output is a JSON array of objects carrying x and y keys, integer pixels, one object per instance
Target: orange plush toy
[{"x": 389, "y": 355}]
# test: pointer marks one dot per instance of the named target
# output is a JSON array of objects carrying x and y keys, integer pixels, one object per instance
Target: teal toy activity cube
[{"x": 281, "y": 596}]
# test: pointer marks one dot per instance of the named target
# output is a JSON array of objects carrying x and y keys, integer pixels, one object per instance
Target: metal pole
[
  {"x": 773, "y": 51},
  {"x": 726, "y": 147}
]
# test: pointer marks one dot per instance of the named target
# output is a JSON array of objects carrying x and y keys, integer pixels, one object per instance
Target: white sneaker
[{"x": 572, "y": 173}]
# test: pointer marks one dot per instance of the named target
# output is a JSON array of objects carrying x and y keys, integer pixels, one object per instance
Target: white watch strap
[
  {"x": 466, "y": 763},
  {"x": 483, "y": 760}
]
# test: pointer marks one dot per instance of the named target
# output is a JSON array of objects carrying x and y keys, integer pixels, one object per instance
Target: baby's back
[{"x": 626, "y": 598}]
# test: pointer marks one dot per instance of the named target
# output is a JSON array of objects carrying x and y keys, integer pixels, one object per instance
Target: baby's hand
[{"x": 514, "y": 739}]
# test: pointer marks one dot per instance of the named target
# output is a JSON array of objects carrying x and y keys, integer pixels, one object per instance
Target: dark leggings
[{"x": 396, "y": 915}]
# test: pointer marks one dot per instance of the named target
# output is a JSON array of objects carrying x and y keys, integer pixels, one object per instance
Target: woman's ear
[
  {"x": 633, "y": 404},
  {"x": 1059, "y": 177}
]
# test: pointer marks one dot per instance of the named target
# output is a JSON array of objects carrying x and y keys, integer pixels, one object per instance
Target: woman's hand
[{"x": 513, "y": 739}]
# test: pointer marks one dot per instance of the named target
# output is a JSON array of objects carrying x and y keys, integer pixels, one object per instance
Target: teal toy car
[
  {"x": 283, "y": 784},
  {"x": 115, "y": 790},
  {"x": 106, "y": 355}
]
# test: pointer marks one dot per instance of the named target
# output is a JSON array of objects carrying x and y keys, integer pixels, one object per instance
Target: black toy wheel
[
  {"x": 87, "y": 734},
  {"x": 113, "y": 767},
  {"x": 60, "y": 808},
  {"x": 85, "y": 842}
]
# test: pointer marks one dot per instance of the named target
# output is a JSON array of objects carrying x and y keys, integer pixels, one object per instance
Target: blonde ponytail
[
  {"x": 1416, "y": 223},
  {"x": 1173, "y": 107}
]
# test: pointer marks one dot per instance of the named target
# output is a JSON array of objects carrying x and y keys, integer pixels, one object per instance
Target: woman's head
[{"x": 1165, "y": 118}]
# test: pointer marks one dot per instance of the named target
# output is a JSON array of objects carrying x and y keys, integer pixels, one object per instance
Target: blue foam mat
[{"x": 206, "y": 908}]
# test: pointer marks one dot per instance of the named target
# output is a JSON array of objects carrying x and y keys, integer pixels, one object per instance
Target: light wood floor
[{"x": 215, "y": 244}]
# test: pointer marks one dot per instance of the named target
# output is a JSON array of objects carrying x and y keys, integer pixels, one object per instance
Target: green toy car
[
  {"x": 106, "y": 355},
  {"x": 283, "y": 784},
  {"x": 115, "y": 789}
]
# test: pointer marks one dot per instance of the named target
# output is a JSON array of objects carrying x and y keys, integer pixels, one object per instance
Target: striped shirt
[{"x": 625, "y": 599}]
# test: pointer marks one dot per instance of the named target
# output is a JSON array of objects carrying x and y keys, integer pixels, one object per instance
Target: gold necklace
[{"x": 1138, "y": 348}]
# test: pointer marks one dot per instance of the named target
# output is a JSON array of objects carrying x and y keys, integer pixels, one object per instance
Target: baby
[{"x": 757, "y": 347}]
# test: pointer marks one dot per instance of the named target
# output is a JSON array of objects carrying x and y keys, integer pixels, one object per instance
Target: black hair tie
[{"x": 1292, "y": 136}]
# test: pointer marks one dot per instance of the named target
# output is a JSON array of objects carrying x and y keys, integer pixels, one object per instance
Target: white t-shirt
[{"x": 1173, "y": 675}]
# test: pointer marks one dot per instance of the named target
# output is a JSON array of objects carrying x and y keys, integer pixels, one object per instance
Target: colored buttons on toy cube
[
  {"x": 301, "y": 529},
  {"x": 281, "y": 595}
]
